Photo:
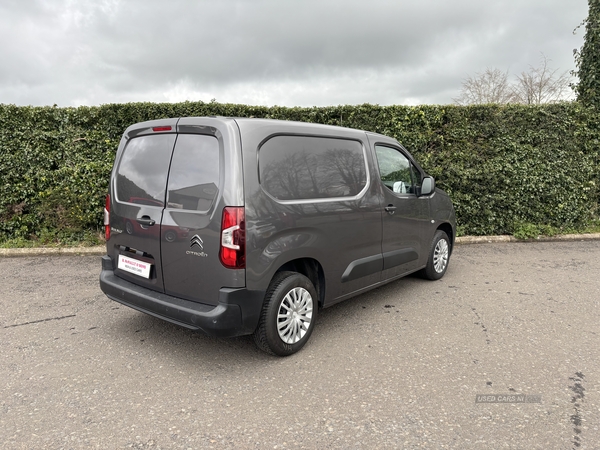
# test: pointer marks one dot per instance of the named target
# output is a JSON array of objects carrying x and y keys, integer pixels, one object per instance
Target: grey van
[{"x": 250, "y": 226}]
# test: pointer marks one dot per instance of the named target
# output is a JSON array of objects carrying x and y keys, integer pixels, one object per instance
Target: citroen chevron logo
[{"x": 197, "y": 240}]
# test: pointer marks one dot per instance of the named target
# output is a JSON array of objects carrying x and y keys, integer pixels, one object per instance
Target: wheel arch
[
  {"x": 311, "y": 269},
  {"x": 447, "y": 228}
]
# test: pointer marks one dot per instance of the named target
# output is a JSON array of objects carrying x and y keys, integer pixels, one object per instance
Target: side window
[
  {"x": 396, "y": 171},
  {"x": 194, "y": 176},
  {"x": 142, "y": 171},
  {"x": 305, "y": 167}
]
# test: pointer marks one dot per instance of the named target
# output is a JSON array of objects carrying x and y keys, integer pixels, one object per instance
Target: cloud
[{"x": 271, "y": 51}]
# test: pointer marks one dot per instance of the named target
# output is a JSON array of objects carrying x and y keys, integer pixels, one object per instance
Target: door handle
[
  {"x": 390, "y": 209},
  {"x": 146, "y": 221}
]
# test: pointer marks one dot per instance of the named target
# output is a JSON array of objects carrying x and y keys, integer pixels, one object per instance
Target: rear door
[
  {"x": 138, "y": 200},
  {"x": 206, "y": 151}
]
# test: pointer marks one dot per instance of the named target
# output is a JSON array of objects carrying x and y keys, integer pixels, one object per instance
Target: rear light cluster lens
[
  {"x": 107, "y": 218},
  {"x": 233, "y": 238}
]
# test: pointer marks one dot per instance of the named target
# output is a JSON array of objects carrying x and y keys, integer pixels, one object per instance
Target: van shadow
[
  {"x": 364, "y": 307},
  {"x": 165, "y": 339},
  {"x": 155, "y": 339}
]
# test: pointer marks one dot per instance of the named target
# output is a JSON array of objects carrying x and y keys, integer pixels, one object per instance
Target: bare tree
[
  {"x": 491, "y": 86},
  {"x": 538, "y": 85},
  {"x": 541, "y": 85}
]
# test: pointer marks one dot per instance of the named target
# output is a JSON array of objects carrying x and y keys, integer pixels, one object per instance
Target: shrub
[{"x": 503, "y": 166}]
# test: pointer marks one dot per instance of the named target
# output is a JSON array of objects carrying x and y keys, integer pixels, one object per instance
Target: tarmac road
[{"x": 399, "y": 367}]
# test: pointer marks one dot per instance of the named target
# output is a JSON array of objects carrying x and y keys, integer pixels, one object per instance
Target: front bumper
[{"x": 236, "y": 314}]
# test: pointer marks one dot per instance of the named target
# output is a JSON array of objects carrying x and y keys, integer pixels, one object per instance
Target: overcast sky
[{"x": 273, "y": 52}]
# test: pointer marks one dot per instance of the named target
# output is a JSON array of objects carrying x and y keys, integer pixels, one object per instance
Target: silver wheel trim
[
  {"x": 294, "y": 315},
  {"x": 440, "y": 256}
]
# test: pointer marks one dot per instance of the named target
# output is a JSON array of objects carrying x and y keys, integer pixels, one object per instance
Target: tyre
[
  {"x": 288, "y": 315},
  {"x": 439, "y": 256}
]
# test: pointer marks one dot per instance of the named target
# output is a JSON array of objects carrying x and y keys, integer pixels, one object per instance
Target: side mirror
[{"x": 427, "y": 186}]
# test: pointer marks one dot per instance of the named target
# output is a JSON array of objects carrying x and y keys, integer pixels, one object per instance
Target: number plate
[{"x": 134, "y": 266}]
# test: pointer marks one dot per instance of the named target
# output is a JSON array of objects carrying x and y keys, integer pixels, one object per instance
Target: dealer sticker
[{"x": 134, "y": 266}]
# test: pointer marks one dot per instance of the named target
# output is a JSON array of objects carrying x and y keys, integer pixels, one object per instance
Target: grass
[
  {"x": 87, "y": 238},
  {"x": 530, "y": 231}
]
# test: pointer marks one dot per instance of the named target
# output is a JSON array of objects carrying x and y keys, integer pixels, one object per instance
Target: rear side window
[
  {"x": 306, "y": 167},
  {"x": 142, "y": 172},
  {"x": 194, "y": 175}
]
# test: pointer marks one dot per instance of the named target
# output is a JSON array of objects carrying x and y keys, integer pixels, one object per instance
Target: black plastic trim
[
  {"x": 399, "y": 257},
  {"x": 236, "y": 314},
  {"x": 363, "y": 267}
]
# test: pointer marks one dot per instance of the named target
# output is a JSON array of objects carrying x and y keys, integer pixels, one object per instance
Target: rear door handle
[
  {"x": 390, "y": 209},
  {"x": 146, "y": 221}
]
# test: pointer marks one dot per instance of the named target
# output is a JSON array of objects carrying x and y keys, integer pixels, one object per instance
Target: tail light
[
  {"x": 233, "y": 238},
  {"x": 107, "y": 218}
]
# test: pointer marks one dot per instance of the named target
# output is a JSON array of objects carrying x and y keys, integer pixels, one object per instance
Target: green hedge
[{"x": 505, "y": 167}]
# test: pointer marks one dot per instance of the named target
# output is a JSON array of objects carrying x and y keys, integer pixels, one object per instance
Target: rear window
[
  {"x": 306, "y": 167},
  {"x": 194, "y": 176},
  {"x": 142, "y": 172}
]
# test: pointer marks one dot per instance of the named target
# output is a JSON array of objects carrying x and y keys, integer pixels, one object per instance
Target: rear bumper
[{"x": 236, "y": 314}]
